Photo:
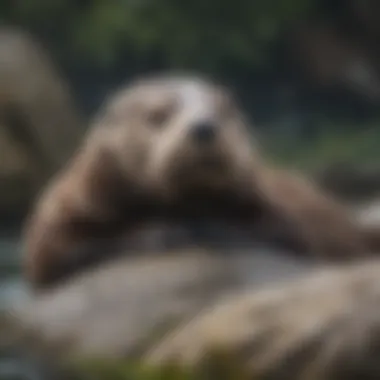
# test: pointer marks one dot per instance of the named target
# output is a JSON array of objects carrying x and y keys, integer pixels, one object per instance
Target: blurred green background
[{"x": 306, "y": 70}]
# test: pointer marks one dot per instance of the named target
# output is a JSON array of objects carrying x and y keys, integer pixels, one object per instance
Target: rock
[
  {"x": 110, "y": 310},
  {"x": 113, "y": 309},
  {"x": 187, "y": 306},
  {"x": 322, "y": 326}
]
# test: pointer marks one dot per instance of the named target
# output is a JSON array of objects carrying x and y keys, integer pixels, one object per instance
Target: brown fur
[
  {"x": 326, "y": 227},
  {"x": 138, "y": 164}
]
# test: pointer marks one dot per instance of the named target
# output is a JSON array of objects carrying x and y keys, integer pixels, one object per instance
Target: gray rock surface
[
  {"x": 111, "y": 310},
  {"x": 322, "y": 326}
]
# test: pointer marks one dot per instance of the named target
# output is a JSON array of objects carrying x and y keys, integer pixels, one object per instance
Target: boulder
[
  {"x": 112, "y": 310},
  {"x": 322, "y": 326}
]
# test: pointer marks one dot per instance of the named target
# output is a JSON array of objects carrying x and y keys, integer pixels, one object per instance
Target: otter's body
[{"x": 177, "y": 150}]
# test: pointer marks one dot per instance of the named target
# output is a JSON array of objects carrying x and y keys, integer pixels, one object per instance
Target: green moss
[
  {"x": 217, "y": 365},
  {"x": 126, "y": 370}
]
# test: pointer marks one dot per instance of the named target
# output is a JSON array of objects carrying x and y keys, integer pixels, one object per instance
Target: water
[
  {"x": 13, "y": 289},
  {"x": 12, "y": 286}
]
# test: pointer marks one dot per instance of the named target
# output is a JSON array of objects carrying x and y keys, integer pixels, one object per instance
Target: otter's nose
[{"x": 204, "y": 132}]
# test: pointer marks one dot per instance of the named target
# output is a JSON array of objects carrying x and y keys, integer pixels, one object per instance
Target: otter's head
[{"x": 176, "y": 132}]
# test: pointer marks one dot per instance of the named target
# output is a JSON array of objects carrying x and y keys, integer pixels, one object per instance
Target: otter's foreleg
[{"x": 311, "y": 218}]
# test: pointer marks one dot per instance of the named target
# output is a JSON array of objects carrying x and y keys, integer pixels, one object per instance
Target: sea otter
[{"x": 178, "y": 149}]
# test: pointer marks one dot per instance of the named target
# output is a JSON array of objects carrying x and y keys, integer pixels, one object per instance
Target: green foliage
[
  {"x": 227, "y": 38},
  {"x": 351, "y": 145},
  {"x": 194, "y": 33}
]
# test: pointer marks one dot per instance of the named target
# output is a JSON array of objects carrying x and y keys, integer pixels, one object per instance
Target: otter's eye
[{"x": 158, "y": 117}]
